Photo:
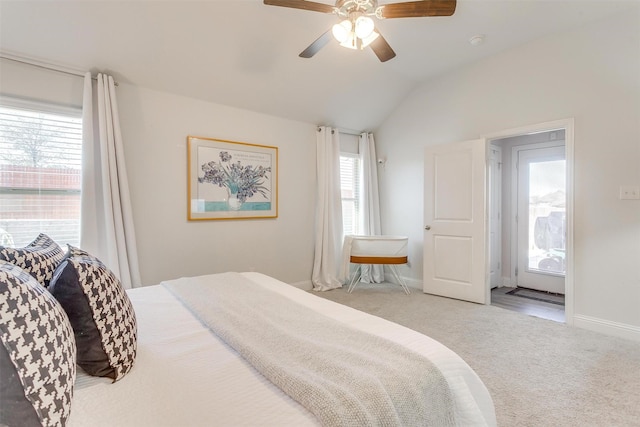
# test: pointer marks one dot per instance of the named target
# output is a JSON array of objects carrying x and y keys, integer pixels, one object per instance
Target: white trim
[
  {"x": 494, "y": 202},
  {"x": 66, "y": 69},
  {"x": 349, "y": 144},
  {"x": 568, "y": 126},
  {"x": 39, "y": 106},
  {"x": 607, "y": 327},
  {"x": 305, "y": 285},
  {"x": 412, "y": 283},
  {"x": 506, "y": 282},
  {"x": 348, "y": 154},
  {"x": 536, "y": 128}
]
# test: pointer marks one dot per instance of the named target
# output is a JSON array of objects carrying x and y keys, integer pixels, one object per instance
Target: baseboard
[
  {"x": 607, "y": 327},
  {"x": 506, "y": 282},
  {"x": 411, "y": 283},
  {"x": 305, "y": 285}
]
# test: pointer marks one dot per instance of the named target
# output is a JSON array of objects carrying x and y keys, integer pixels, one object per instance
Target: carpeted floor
[{"x": 539, "y": 372}]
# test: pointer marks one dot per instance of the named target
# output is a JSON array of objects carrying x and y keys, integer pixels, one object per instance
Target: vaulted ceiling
[{"x": 244, "y": 54}]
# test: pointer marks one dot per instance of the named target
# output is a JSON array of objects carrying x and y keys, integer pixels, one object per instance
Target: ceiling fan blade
[
  {"x": 316, "y": 45},
  {"x": 382, "y": 49},
  {"x": 302, "y": 4},
  {"x": 415, "y": 9}
]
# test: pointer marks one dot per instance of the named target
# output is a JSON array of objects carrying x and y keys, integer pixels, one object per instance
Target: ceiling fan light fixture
[
  {"x": 364, "y": 27},
  {"x": 342, "y": 31},
  {"x": 356, "y": 43},
  {"x": 358, "y": 30},
  {"x": 351, "y": 42},
  {"x": 368, "y": 40}
]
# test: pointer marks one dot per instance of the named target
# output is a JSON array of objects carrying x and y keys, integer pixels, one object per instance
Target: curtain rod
[
  {"x": 350, "y": 133},
  {"x": 45, "y": 66},
  {"x": 346, "y": 132}
]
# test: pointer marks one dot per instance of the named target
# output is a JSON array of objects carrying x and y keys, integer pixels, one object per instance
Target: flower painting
[
  {"x": 231, "y": 180},
  {"x": 241, "y": 181}
]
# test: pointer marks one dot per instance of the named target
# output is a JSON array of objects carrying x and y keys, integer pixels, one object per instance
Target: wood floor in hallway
[{"x": 528, "y": 302}]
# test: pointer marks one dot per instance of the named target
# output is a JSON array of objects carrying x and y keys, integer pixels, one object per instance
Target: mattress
[{"x": 185, "y": 375}]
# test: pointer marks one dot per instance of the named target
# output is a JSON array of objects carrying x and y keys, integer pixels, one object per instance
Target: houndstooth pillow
[
  {"x": 100, "y": 312},
  {"x": 39, "y": 258},
  {"x": 37, "y": 353}
]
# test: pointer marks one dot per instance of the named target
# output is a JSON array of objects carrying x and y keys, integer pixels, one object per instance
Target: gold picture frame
[{"x": 231, "y": 180}]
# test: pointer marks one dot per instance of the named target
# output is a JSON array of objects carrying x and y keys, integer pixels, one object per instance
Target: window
[
  {"x": 350, "y": 189},
  {"x": 40, "y": 173}
]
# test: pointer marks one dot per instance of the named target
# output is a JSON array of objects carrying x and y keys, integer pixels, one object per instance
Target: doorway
[{"x": 529, "y": 213}]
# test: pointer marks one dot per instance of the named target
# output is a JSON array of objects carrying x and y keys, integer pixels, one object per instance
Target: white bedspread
[{"x": 185, "y": 376}]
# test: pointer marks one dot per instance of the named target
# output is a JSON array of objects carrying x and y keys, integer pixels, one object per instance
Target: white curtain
[
  {"x": 107, "y": 222},
  {"x": 328, "y": 228},
  {"x": 369, "y": 202}
]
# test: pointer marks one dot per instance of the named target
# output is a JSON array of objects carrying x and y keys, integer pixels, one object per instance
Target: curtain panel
[
  {"x": 328, "y": 227},
  {"x": 107, "y": 229},
  {"x": 369, "y": 202}
]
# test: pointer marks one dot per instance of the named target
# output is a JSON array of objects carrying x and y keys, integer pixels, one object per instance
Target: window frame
[{"x": 40, "y": 107}]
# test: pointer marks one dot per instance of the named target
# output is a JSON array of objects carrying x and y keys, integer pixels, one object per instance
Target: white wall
[
  {"x": 591, "y": 74},
  {"x": 155, "y": 126}
]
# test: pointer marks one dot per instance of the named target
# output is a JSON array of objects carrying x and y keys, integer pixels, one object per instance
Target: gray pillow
[
  {"x": 37, "y": 353},
  {"x": 99, "y": 309},
  {"x": 39, "y": 258}
]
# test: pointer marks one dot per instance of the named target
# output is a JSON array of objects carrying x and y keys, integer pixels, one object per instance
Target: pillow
[
  {"x": 39, "y": 258},
  {"x": 100, "y": 313},
  {"x": 76, "y": 252},
  {"x": 37, "y": 353}
]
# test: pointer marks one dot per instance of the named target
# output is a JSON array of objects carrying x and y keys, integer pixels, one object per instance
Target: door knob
[{"x": 427, "y": 227}]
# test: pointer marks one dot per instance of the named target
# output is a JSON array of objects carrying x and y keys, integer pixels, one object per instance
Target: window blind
[
  {"x": 40, "y": 174},
  {"x": 350, "y": 189}
]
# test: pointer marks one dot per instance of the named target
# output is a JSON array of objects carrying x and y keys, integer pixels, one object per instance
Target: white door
[
  {"x": 455, "y": 247},
  {"x": 542, "y": 219}
]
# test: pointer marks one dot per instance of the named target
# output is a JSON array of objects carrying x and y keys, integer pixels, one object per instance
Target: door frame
[
  {"x": 568, "y": 126},
  {"x": 494, "y": 203}
]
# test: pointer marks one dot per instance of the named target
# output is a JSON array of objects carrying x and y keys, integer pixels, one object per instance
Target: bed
[
  {"x": 227, "y": 349},
  {"x": 184, "y": 374}
]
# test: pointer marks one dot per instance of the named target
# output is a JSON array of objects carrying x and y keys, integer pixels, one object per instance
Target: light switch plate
[{"x": 629, "y": 192}]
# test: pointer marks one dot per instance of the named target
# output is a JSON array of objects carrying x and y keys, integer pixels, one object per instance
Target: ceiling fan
[{"x": 357, "y": 29}]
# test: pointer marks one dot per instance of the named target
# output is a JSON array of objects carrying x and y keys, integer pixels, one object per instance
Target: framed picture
[{"x": 231, "y": 180}]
